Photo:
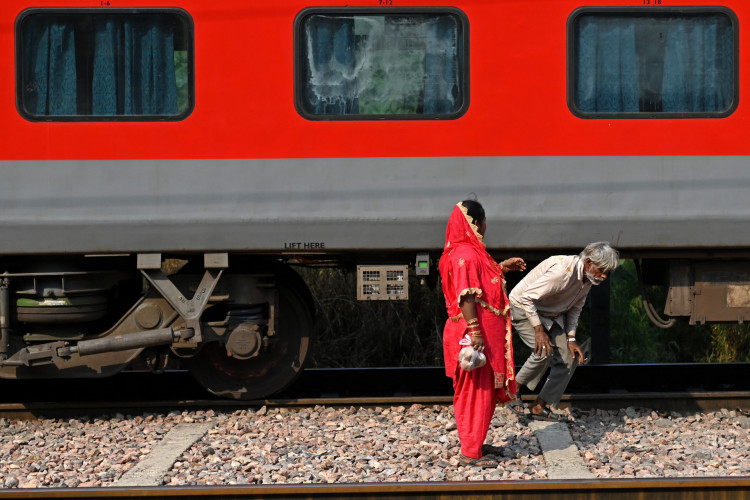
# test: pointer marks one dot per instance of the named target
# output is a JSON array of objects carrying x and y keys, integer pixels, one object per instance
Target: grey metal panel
[{"x": 371, "y": 203}]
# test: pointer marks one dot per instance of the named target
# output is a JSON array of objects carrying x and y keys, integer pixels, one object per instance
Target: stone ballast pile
[{"x": 353, "y": 444}]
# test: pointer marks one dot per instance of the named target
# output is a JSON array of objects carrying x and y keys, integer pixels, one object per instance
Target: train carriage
[{"x": 235, "y": 137}]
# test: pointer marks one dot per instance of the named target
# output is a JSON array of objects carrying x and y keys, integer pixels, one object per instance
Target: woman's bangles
[{"x": 472, "y": 326}]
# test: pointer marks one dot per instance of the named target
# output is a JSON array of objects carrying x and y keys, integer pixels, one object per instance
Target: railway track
[
  {"x": 673, "y": 387},
  {"x": 407, "y": 381},
  {"x": 616, "y": 489},
  {"x": 659, "y": 401}
]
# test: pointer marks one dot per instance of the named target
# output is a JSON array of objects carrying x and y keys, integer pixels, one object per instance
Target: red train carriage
[{"x": 238, "y": 135}]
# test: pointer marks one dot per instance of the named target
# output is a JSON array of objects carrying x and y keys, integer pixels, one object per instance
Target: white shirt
[{"x": 555, "y": 290}]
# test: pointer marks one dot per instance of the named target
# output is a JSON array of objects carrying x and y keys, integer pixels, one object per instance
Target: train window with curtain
[
  {"x": 104, "y": 64},
  {"x": 653, "y": 62},
  {"x": 362, "y": 64}
]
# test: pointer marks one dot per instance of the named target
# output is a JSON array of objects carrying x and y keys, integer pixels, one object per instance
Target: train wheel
[{"x": 276, "y": 367}]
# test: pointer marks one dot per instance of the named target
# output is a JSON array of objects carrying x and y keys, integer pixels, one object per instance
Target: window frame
[
  {"x": 187, "y": 22},
  {"x": 300, "y": 77},
  {"x": 572, "y": 69}
]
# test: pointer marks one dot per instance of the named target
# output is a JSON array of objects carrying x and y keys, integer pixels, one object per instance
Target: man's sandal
[
  {"x": 482, "y": 463},
  {"x": 518, "y": 409},
  {"x": 548, "y": 416}
]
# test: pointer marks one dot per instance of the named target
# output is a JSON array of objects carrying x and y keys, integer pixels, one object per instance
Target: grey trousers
[{"x": 561, "y": 363}]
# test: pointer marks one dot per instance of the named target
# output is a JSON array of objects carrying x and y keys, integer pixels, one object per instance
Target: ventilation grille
[{"x": 382, "y": 282}]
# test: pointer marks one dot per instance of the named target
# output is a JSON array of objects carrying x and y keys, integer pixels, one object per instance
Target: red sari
[{"x": 467, "y": 269}]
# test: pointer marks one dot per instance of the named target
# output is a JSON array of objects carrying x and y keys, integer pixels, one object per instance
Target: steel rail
[
  {"x": 391, "y": 381},
  {"x": 720, "y": 488},
  {"x": 661, "y": 401},
  {"x": 659, "y": 387}
]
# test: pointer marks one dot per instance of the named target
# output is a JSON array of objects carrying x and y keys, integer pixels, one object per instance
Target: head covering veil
[{"x": 464, "y": 243}]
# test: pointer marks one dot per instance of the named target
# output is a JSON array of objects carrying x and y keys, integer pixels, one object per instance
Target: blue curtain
[
  {"x": 441, "y": 90},
  {"x": 133, "y": 68},
  {"x": 698, "y": 66},
  {"x": 49, "y": 67},
  {"x": 607, "y": 80},
  {"x": 671, "y": 64},
  {"x": 331, "y": 88}
]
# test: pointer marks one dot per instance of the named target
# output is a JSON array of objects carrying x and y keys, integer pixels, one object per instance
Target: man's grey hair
[{"x": 601, "y": 255}]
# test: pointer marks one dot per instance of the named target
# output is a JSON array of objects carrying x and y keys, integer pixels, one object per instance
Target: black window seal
[
  {"x": 572, "y": 70},
  {"x": 188, "y": 20},
  {"x": 298, "y": 63}
]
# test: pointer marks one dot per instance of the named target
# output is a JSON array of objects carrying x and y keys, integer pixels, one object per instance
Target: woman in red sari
[{"x": 474, "y": 288}]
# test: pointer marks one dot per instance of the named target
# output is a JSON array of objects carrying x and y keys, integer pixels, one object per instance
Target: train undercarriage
[
  {"x": 242, "y": 325},
  {"x": 242, "y": 328}
]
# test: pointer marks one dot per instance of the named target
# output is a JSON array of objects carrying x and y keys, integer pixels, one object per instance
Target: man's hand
[
  {"x": 542, "y": 344},
  {"x": 576, "y": 351}
]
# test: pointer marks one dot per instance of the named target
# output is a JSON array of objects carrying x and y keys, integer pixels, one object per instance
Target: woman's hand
[
  {"x": 513, "y": 264},
  {"x": 469, "y": 310},
  {"x": 477, "y": 342}
]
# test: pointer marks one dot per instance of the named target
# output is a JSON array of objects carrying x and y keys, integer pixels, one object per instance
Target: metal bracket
[
  {"x": 42, "y": 354},
  {"x": 189, "y": 309}
]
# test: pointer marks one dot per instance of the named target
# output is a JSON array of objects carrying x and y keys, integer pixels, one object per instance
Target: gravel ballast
[{"x": 363, "y": 444}]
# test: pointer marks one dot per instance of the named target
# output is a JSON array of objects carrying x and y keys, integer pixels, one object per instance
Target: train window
[
  {"x": 95, "y": 65},
  {"x": 369, "y": 64},
  {"x": 654, "y": 62}
]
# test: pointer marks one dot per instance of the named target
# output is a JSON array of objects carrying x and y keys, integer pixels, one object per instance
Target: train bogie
[{"x": 243, "y": 334}]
